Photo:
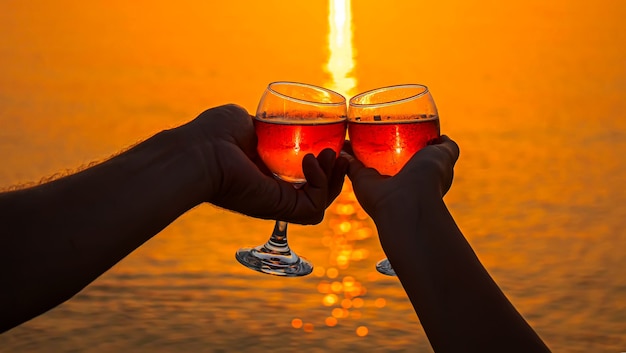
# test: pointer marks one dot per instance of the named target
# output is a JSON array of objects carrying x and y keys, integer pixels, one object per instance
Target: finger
[
  {"x": 450, "y": 147},
  {"x": 435, "y": 141},
  {"x": 276, "y": 199},
  {"x": 313, "y": 172},
  {"x": 453, "y": 152},
  {"x": 356, "y": 169},
  {"x": 235, "y": 124},
  {"x": 336, "y": 179},
  {"x": 326, "y": 159},
  {"x": 311, "y": 202},
  {"x": 347, "y": 147},
  {"x": 261, "y": 165},
  {"x": 247, "y": 190},
  {"x": 250, "y": 141}
]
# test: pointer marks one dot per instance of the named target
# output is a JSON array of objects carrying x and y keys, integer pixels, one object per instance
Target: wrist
[
  {"x": 191, "y": 153},
  {"x": 407, "y": 211}
]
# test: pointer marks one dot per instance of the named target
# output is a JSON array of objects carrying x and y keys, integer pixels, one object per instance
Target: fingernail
[{"x": 346, "y": 155}]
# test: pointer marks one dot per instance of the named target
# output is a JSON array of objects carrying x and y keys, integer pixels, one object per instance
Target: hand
[
  {"x": 428, "y": 174},
  {"x": 239, "y": 181}
]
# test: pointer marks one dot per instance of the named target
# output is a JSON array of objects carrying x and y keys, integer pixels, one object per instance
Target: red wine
[
  {"x": 283, "y": 143},
  {"x": 387, "y": 146}
]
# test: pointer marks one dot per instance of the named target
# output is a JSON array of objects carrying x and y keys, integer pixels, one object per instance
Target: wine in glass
[
  {"x": 292, "y": 120},
  {"x": 387, "y": 126}
]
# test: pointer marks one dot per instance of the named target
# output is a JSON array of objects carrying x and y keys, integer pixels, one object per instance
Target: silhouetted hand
[
  {"x": 239, "y": 181},
  {"x": 459, "y": 305},
  {"x": 428, "y": 173},
  {"x": 59, "y": 236}
]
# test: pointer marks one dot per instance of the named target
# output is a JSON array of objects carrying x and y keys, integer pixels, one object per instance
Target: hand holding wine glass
[
  {"x": 293, "y": 122},
  {"x": 225, "y": 140},
  {"x": 387, "y": 126}
]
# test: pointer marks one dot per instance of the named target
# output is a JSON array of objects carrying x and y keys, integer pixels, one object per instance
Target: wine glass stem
[{"x": 278, "y": 241}]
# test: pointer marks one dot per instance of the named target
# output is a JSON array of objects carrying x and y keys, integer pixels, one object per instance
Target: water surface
[{"x": 532, "y": 91}]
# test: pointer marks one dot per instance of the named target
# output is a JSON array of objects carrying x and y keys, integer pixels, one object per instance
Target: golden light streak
[{"x": 341, "y": 61}]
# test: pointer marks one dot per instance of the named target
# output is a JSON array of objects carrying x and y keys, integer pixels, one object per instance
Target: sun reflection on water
[
  {"x": 341, "y": 61},
  {"x": 343, "y": 294}
]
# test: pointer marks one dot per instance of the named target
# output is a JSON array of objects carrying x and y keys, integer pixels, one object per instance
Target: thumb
[
  {"x": 241, "y": 127},
  {"x": 357, "y": 172}
]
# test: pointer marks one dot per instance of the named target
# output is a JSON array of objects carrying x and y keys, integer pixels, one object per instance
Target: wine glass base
[
  {"x": 384, "y": 266},
  {"x": 267, "y": 261}
]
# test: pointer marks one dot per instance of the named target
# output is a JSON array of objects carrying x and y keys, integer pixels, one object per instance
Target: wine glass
[
  {"x": 292, "y": 120},
  {"x": 387, "y": 125}
]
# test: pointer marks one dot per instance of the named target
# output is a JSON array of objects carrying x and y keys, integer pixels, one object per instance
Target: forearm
[
  {"x": 58, "y": 237},
  {"x": 459, "y": 305}
]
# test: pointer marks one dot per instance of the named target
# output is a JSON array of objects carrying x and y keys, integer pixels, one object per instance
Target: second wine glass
[
  {"x": 292, "y": 120},
  {"x": 387, "y": 126}
]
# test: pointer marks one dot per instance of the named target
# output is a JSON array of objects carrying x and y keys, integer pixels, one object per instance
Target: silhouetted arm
[
  {"x": 459, "y": 305},
  {"x": 58, "y": 237}
]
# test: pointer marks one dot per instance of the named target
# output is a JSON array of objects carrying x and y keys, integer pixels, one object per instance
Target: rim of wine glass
[
  {"x": 293, "y": 99},
  {"x": 387, "y": 88}
]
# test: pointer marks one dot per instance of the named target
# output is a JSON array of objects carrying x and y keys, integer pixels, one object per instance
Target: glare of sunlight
[
  {"x": 341, "y": 61},
  {"x": 330, "y": 299}
]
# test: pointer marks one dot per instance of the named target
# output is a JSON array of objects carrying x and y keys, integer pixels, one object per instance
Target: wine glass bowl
[
  {"x": 292, "y": 120},
  {"x": 387, "y": 126}
]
